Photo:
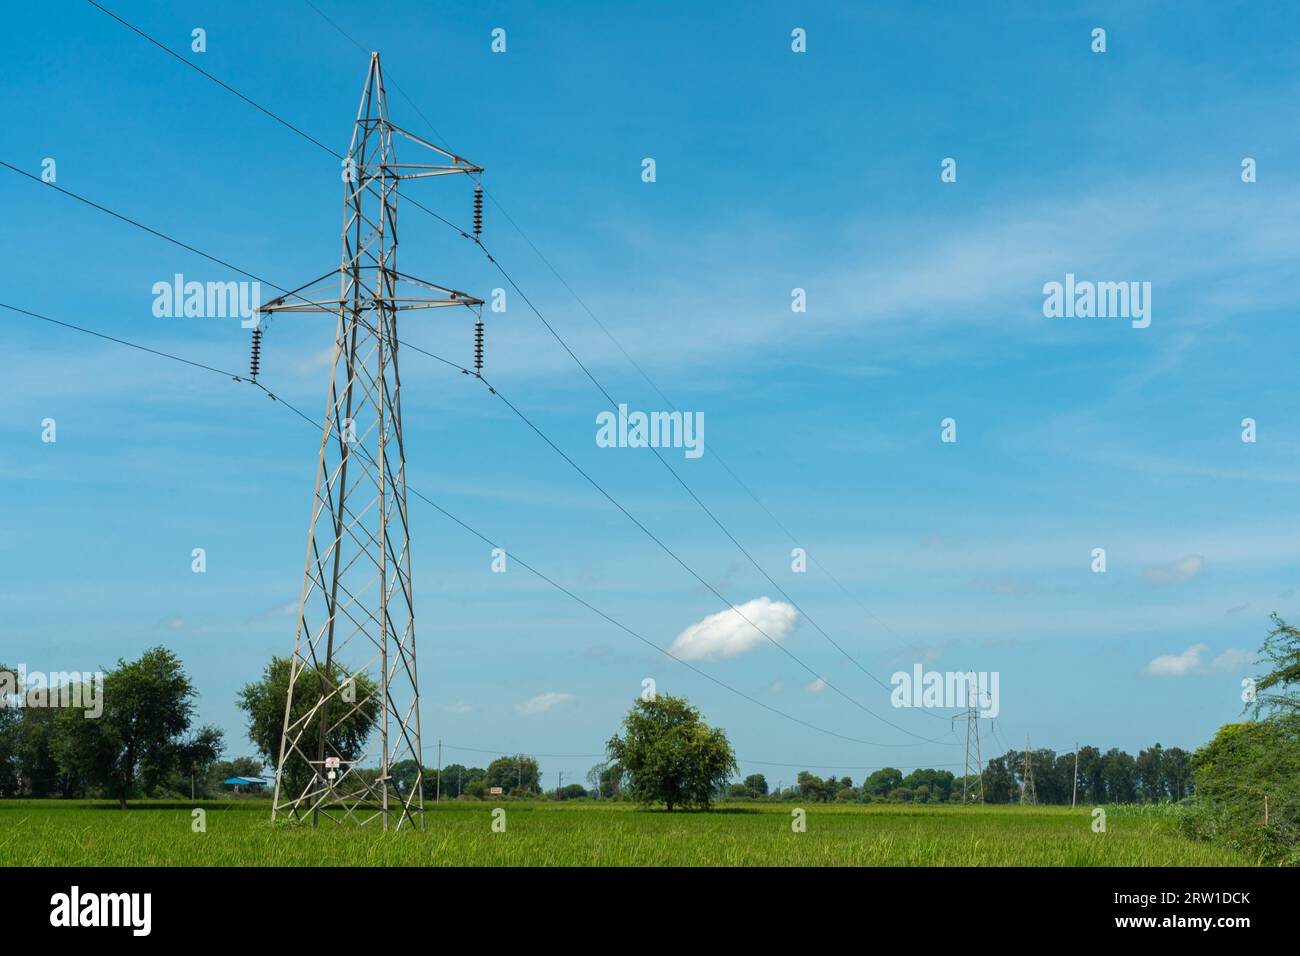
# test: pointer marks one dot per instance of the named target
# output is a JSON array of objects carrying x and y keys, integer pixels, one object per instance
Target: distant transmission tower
[
  {"x": 1028, "y": 793},
  {"x": 353, "y": 705},
  {"x": 973, "y": 793}
]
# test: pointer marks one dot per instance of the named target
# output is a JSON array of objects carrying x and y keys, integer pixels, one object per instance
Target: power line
[
  {"x": 637, "y": 522},
  {"x": 515, "y": 557},
  {"x": 510, "y": 280},
  {"x": 225, "y": 86},
  {"x": 139, "y": 225},
  {"x": 642, "y": 372},
  {"x": 110, "y": 338},
  {"x": 257, "y": 106}
]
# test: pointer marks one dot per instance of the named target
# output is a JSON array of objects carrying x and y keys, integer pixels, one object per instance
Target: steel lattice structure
[
  {"x": 974, "y": 766},
  {"x": 353, "y": 666}
]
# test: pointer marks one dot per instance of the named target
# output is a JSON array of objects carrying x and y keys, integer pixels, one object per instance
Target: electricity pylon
[
  {"x": 969, "y": 793},
  {"x": 1028, "y": 792},
  {"x": 353, "y": 705}
]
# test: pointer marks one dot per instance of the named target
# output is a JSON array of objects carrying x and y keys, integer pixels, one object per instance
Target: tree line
[{"x": 1242, "y": 787}]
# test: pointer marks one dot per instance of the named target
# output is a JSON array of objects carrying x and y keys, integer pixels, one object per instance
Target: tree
[
  {"x": 1177, "y": 770},
  {"x": 670, "y": 755},
  {"x": 194, "y": 758},
  {"x": 1278, "y": 691},
  {"x": 998, "y": 783},
  {"x": 1244, "y": 769},
  {"x": 1117, "y": 771},
  {"x": 225, "y": 769},
  {"x": 813, "y": 787},
  {"x": 604, "y": 778},
  {"x": 148, "y": 707},
  {"x": 455, "y": 778},
  {"x": 9, "y": 722},
  {"x": 572, "y": 791},
  {"x": 404, "y": 774},
  {"x": 1092, "y": 783},
  {"x": 756, "y": 784},
  {"x": 515, "y": 775},
  {"x": 1247, "y": 779},
  {"x": 263, "y": 701},
  {"x": 937, "y": 784},
  {"x": 1150, "y": 774},
  {"x": 882, "y": 782}
]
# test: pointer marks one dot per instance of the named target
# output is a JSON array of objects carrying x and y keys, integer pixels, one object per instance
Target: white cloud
[
  {"x": 542, "y": 703},
  {"x": 1192, "y": 661},
  {"x": 728, "y": 633},
  {"x": 1233, "y": 659},
  {"x": 458, "y": 707},
  {"x": 1184, "y": 569},
  {"x": 816, "y": 687},
  {"x": 1176, "y": 665}
]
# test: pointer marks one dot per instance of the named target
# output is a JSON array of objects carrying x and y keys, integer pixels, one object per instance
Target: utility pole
[
  {"x": 972, "y": 793},
  {"x": 437, "y": 796},
  {"x": 1074, "y": 798},
  {"x": 1028, "y": 794},
  {"x": 354, "y": 643}
]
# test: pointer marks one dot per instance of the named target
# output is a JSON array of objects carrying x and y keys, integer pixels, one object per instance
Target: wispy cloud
[
  {"x": 1184, "y": 569},
  {"x": 1192, "y": 661},
  {"x": 542, "y": 703}
]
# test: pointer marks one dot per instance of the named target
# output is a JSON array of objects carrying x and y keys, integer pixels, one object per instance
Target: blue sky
[{"x": 775, "y": 170}]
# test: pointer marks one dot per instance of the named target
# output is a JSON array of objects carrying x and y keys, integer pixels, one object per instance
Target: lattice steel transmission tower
[
  {"x": 975, "y": 793},
  {"x": 1028, "y": 792},
  {"x": 352, "y": 676}
]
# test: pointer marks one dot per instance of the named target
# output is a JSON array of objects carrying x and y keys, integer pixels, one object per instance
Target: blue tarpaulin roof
[{"x": 243, "y": 781}]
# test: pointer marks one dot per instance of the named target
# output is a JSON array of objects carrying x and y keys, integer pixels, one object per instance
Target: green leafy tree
[
  {"x": 263, "y": 703},
  {"x": 813, "y": 787},
  {"x": 882, "y": 782},
  {"x": 455, "y": 777},
  {"x": 670, "y": 755},
  {"x": 404, "y": 774},
  {"x": 756, "y": 784},
  {"x": 937, "y": 784},
  {"x": 1119, "y": 776},
  {"x": 1247, "y": 779},
  {"x": 225, "y": 769},
  {"x": 1248, "y": 773},
  {"x": 998, "y": 783},
  {"x": 516, "y": 776},
  {"x": 1149, "y": 770},
  {"x": 39, "y": 771},
  {"x": 1278, "y": 691},
  {"x": 9, "y": 722},
  {"x": 1176, "y": 767},
  {"x": 605, "y": 778},
  {"x": 1092, "y": 782},
  {"x": 148, "y": 708}
]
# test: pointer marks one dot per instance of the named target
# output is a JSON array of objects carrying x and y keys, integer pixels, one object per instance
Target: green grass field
[{"x": 239, "y": 833}]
